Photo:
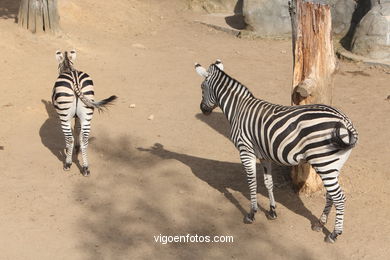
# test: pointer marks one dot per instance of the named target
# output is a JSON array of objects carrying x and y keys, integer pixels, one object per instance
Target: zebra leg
[
  {"x": 328, "y": 169},
  {"x": 84, "y": 137},
  {"x": 336, "y": 195},
  {"x": 248, "y": 160},
  {"x": 324, "y": 216},
  {"x": 338, "y": 198},
  {"x": 69, "y": 142},
  {"x": 267, "y": 167}
]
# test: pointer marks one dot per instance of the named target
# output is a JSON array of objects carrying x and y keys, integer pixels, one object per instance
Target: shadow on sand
[
  {"x": 237, "y": 21},
  {"x": 9, "y": 9},
  {"x": 51, "y": 133},
  {"x": 145, "y": 195},
  {"x": 225, "y": 176}
]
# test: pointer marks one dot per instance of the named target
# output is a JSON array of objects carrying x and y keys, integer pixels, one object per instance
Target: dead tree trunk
[
  {"x": 314, "y": 66},
  {"x": 39, "y": 15}
]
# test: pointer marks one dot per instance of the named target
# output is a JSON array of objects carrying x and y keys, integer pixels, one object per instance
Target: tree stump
[
  {"x": 313, "y": 69},
  {"x": 39, "y": 15}
]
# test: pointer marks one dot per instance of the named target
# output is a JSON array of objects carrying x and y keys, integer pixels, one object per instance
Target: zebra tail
[
  {"x": 337, "y": 137},
  {"x": 100, "y": 105},
  {"x": 94, "y": 104}
]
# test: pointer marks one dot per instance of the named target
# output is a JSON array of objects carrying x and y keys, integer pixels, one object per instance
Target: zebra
[
  {"x": 286, "y": 135},
  {"x": 73, "y": 96}
]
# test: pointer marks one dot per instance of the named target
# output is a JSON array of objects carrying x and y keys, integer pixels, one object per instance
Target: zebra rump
[{"x": 337, "y": 137}]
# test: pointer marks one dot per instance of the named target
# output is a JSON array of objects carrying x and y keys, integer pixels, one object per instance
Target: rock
[
  {"x": 342, "y": 12},
  {"x": 267, "y": 18},
  {"x": 272, "y": 18},
  {"x": 151, "y": 117},
  {"x": 377, "y": 2},
  {"x": 138, "y": 46},
  {"x": 132, "y": 106},
  {"x": 372, "y": 37}
]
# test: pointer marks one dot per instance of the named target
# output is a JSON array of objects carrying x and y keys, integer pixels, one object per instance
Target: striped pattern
[
  {"x": 287, "y": 135},
  {"x": 73, "y": 97}
]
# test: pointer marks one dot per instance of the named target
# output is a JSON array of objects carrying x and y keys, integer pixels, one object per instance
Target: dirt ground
[{"x": 177, "y": 174}]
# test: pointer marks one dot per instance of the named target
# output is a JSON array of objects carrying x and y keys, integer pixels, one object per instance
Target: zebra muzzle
[{"x": 205, "y": 109}]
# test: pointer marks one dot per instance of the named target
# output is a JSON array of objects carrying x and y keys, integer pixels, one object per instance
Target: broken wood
[{"x": 313, "y": 69}]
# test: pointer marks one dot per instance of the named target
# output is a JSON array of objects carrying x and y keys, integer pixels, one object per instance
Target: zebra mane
[
  {"x": 238, "y": 86},
  {"x": 66, "y": 65}
]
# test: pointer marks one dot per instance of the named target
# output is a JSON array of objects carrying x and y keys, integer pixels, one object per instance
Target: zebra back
[{"x": 278, "y": 132}]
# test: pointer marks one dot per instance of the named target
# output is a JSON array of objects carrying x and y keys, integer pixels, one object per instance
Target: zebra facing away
[
  {"x": 286, "y": 135},
  {"x": 73, "y": 96}
]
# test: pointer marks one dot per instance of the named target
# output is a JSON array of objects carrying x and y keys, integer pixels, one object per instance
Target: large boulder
[
  {"x": 372, "y": 36},
  {"x": 342, "y": 12},
  {"x": 272, "y": 18},
  {"x": 267, "y": 18}
]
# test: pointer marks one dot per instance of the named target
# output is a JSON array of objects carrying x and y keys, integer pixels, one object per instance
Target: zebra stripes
[
  {"x": 73, "y": 96},
  {"x": 286, "y": 135}
]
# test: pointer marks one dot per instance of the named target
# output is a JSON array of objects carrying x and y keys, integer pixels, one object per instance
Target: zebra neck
[{"x": 231, "y": 98}]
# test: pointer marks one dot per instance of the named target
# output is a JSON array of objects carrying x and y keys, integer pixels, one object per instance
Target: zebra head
[
  {"x": 208, "y": 95},
  {"x": 65, "y": 61}
]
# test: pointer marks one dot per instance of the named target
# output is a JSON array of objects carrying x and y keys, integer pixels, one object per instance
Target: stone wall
[
  {"x": 272, "y": 18},
  {"x": 363, "y": 24}
]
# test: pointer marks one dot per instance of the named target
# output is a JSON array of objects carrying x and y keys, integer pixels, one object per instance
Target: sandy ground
[{"x": 177, "y": 174}]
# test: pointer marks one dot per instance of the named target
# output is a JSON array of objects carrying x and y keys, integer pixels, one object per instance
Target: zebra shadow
[
  {"x": 227, "y": 176},
  {"x": 51, "y": 133},
  {"x": 52, "y": 137}
]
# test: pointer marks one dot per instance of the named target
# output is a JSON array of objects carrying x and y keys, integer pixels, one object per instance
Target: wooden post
[
  {"x": 39, "y": 15},
  {"x": 313, "y": 69}
]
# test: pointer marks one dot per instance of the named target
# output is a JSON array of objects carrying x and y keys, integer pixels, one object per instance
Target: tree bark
[
  {"x": 313, "y": 69},
  {"x": 39, "y": 15}
]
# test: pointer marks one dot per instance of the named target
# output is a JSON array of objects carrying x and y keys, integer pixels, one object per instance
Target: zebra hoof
[
  {"x": 317, "y": 226},
  {"x": 331, "y": 239},
  {"x": 249, "y": 218},
  {"x": 67, "y": 166},
  {"x": 85, "y": 171},
  {"x": 271, "y": 215}
]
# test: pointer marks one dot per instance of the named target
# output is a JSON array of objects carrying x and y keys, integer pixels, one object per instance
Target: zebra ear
[
  {"x": 59, "y": 56},
  {"x": 219, "y": 64},
  {"x": 201, "y": 71},
  {"x": 72, "y": 55}
]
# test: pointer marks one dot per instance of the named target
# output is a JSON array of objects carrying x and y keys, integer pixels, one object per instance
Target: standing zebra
[
  {"x": 286, "y": 135},
  {"x": 73, "y": 96}
]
